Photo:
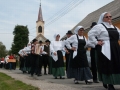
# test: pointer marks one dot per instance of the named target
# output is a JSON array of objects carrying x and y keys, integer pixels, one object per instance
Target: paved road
[{"x": 47, "y": 82}]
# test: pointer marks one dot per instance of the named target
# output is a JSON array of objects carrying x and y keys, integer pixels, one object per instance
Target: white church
[{"x": 40, "y": 26}]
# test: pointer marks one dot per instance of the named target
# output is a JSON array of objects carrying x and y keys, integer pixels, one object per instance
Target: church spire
[{"x": 40, "y": 18}]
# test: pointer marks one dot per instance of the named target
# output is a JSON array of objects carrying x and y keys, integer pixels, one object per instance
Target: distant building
[{"x": 113, "y": 7}]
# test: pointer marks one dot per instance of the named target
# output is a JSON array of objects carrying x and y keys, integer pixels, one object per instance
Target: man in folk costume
[
  {"x": 46, "y": 49},
  {"x": 33, "y": 57},
  {"x": 68, "y": 51},
  {"x": 21, "y": 61},
  {"x": 93, "y": 55},
  {"x": 27, "y": 50},
  {"x": 39, "y": 60}
]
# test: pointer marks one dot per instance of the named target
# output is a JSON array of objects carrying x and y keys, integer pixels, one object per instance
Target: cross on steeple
[
  {"x": 40, "y": 2},
  {"x": 40, "y": 17}
]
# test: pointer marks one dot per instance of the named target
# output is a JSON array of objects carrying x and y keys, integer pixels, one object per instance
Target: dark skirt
[
  {"x": 109, "y": 70},
  {"x": 58, "y": 66},
  {"x": 81, "y": 71}
]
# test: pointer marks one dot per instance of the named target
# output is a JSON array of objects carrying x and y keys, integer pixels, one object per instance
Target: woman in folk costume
[
  {"x": 27, "y": 50},
  {"x": 108, "y": 50},
  {"x": 79, "y": 63},
  {"x": 56, "y": 48}
]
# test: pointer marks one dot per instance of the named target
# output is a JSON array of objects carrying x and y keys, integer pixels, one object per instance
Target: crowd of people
[
  {"x": 105, "y": 55},
  {"x": 7, "y": 64}
]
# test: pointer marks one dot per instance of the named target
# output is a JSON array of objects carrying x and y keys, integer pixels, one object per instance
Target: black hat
[
  {"x": 34, "y": 40},
  {"x": 40, "y": 41},
  {"x": 93, "y": 24},
  {"x": 47, "y": 40},
  {"x": 69, "y": 32}
]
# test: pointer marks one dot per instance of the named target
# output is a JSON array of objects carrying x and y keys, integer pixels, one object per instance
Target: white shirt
[
  {"x": 27, "y": 49},
  {"x": 21, "y": 52}
]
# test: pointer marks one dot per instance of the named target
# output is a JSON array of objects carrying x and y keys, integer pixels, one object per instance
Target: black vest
[{"x": 47, "y": 49}]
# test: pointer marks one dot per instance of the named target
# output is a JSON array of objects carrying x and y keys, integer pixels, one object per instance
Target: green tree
[
  {"x": 3, "y": 51},
  {"x": 21, "y": 39}
]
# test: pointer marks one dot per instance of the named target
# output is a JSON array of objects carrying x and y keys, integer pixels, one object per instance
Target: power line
[
  {"x": 12, "y": 33},
  {"x": 63, "y": 13},
  {"x": 6, "y": 33},
  {"x": 63, "y": 9}
]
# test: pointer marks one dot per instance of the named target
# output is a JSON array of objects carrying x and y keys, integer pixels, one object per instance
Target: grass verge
[{"x": 8, "y": 83}]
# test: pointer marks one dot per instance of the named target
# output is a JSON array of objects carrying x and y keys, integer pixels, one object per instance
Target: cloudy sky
[{"x": 59, "y": 16}]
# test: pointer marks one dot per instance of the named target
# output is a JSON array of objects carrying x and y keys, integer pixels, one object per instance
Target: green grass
[{"x": 8, "y": 83}]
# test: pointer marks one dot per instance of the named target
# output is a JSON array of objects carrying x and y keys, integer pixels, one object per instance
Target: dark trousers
[
  {"x": 67, "y": 56},
  {"x": 45, "y": 62},
  {"x": 39, "y": 65},
  {"x": 33, "y": 63},
  {"x": 93, "y": 55},
  {"x": 1, "y": 65}
]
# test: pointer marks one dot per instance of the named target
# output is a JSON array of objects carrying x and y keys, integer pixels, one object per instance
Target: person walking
[
  {"x": 93, "y": 56},
  {"x": 56, "y": 48},
  {"x": 108, "y": 50},
  {"x": 79, "y": 63},
  {"x": 68, "y": 51}
]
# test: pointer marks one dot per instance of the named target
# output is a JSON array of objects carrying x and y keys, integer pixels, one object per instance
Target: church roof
[
  {"x": 40, "y": 17},
  {"x": 112, "y": 7},
  {"x": 42, "y": 37}
]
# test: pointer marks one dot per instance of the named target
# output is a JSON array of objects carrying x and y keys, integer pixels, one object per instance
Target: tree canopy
[
  {"x": 3, "y": 51},
  {"x": 21, "y": 38}
]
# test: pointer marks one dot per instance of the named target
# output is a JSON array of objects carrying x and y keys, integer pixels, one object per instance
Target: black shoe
[
  {"x": 31, "y": 75},
  {"x": 111, "y": 87},
  {"x": 24, "y": 72},
  {"x": 28, "y": 72},
  {"x": 76, "y": 82},
  {"x": 62, "y": 77},
  {"x": 95, "y": 81},
  {"x": 55, "y": 77},
  {"x": 39, "y": 75},
  {"x": 105, "y": 86},
  {"x": 86, "y": 81},
  {"x": 45, "y": 73}
]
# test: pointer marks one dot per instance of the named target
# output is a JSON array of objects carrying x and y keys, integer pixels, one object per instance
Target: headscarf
[
  {"x": 78, "y": 28},
  {"x": 56, "y": 35},
  {"x": 101, "y": 18}
]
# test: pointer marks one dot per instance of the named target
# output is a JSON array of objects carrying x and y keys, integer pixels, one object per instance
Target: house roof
[{"x": 112, "y": 7}]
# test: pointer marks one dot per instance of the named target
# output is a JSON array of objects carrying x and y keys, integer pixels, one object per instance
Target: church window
[{"x": 39, "y": 29}]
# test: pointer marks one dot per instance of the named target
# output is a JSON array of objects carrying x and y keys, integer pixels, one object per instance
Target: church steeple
[
  {"x": 40, "y": 22},
  {"x": 40, "y": 17}
]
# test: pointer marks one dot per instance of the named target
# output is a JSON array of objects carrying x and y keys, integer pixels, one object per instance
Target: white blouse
[
  {"x": 56, "y": 45},
  {"x": 101, "y": 33},
  {"x": 74, "y": 41}
]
